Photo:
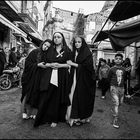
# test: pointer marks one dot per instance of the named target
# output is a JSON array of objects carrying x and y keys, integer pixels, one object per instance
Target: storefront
[
  {"x": 8, "y": 16},
  {"x": 3, "y": 34},
  {"x": 7, "y": 30}
]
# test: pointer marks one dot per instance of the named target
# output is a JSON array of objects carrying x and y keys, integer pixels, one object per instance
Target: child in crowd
[
  {"x": 21, "y": 64},
  {"x": 116, "y": 78},
  {"x": 103, "y": 77}
]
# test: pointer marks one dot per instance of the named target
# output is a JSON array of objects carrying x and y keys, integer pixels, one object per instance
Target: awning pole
[
  {"x": 103, "y": 27},
  {"x": 113, "y": 25}
]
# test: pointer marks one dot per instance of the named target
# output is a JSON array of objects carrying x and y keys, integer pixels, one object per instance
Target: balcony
[
  {"x": 8, "y": 12},
  {"x": 28, "y": 18}
]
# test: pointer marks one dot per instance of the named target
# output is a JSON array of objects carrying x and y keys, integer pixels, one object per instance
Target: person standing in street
[
  {"x": 117, "y": 78},
  {"x": 54, "y": 95},
  {"x": 2, "y": 61},
  {"x": 34, "y": 63},
  {"x": 82, "y": 84},
  {"x": 137, "y": 68},
  {"x": 103, "y": 77},
  {"x": 12, "y": 58},
  {"x": 127, "y": 65},
  {"x": 4, "y": 57}
]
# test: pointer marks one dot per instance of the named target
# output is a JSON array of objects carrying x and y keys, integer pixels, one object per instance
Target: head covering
[
  {"x": 64, "y": 46},
  {"x": 83, "y": 52},
  {"x": 41, "y": 54},
  {"x": 47, "y": 40}
]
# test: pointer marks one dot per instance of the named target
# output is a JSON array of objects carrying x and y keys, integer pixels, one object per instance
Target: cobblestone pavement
[{"x": 13, "y": 127}]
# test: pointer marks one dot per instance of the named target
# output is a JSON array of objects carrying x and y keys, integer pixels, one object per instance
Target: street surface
[{"x": 13, "y": 127}]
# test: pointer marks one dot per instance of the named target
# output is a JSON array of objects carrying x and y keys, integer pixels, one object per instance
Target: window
[{"x": 71, "y": 13}]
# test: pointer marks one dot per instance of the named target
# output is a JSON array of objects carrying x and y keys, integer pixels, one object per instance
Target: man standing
[
  {"x": 12, "y": 58},
  {"x": 2, "y": 60},
  {"x": 137, "y": 68}
]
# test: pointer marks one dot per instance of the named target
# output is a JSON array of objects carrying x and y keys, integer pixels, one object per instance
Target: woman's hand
[
  {"x": 69, "y": 62},
  {"x": 128, "y": 69},
  {"x": 48, "y": 65},
  {"x": 58, "y": 65},
  {"x": 55, "y": 65},
  {"x": 41, "y": 65}
]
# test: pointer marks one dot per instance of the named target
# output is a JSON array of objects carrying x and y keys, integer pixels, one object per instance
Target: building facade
[
  {"x": 57, "y": 19},
  {"x": 94, "y": 23},
  {"x": 20, "y": 22}
]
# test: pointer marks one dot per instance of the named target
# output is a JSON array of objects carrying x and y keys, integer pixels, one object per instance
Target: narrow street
[{"x": 13, "y": 127}]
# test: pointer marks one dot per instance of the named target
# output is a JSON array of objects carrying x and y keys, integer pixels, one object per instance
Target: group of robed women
[{"x": 59, "y": 83}]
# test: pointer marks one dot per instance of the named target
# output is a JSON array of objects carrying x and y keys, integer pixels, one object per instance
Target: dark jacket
[{"x": 2, "y": 61}]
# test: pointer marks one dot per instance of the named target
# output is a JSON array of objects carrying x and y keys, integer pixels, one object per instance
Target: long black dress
[
  {"x": 54, "y": 100},
  {"x": 85, "y": 87},
  {"x": 2, "y": 61},
  {"x": 31, "y": 77}
]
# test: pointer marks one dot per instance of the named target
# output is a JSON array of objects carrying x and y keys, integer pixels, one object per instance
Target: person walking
[
  {"x": 127, "y": 65},
  {"x": 21, "y": 64},
  {"x": 54, "y": 95},
  {"x": 34, "y": 63},
  {"x": 82, "y": 84},
  {"x": 117, "y": 78},
  {"x": 109, "y": 62},
  {"x": 103, "y": 77}
]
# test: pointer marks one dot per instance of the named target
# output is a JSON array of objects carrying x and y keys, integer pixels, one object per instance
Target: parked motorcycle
[{"x": 9, "y": 78}]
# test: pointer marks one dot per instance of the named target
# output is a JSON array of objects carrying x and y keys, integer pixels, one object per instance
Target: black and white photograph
[{"x": 69, "y": 69}]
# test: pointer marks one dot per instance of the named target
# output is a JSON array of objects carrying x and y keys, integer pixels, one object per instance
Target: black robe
[
  {"x": 2, "y": 61},
  {"x": 54, "y": 100},
  {"x": 84, "y": 93},
  {"x": 31, "y": 77}
]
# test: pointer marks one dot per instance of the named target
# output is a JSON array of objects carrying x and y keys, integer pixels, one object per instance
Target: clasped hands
[
  {"x": 56, "y": 65},
  {"x": 51, "y": 65}
]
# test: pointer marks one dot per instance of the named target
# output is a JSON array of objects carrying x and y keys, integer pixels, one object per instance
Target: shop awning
[
  {"x": 25, "y": 27},
  {"x": 124, "y": 10},
  {"x": 24, "y": 39},
  {"x": 8, "y": 12},
  {"x": 37, "y": 41},
  {"x": 100, "y": 35},
  {"x": 32, "y": 33},
  {"x": 9, "y": 24},
  {"x": 121, "y": 36}
]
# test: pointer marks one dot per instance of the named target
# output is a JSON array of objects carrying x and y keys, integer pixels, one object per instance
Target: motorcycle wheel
[{"x": 5, "y": 83}]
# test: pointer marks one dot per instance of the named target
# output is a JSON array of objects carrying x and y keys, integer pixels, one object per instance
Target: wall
[
  {"x": 40, "y": 6},
  {"x": 15, "y": 5}
]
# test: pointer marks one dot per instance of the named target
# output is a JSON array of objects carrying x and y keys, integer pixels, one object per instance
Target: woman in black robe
[
  {"x": 82, "y": 84},
  {"x": 54, "y": 96},
  {"x": 34, "y": 65},
  {"x": 2, "y": 61}
]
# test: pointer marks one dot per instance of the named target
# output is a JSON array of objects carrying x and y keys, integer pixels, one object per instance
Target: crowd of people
[
  {"x": 9, "y": 57},
  {"x": 13, "y": 57},
  {"x": 59, "y": 83}
]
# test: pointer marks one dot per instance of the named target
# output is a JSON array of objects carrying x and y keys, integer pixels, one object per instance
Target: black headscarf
[
  {"x": 64, "y": 44},
  {"x": 83, "y": 51},
  {"x": 84, "y": 93},
  {"x": 41, "y": 53},
  {"x": 32, "y": 74}
]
